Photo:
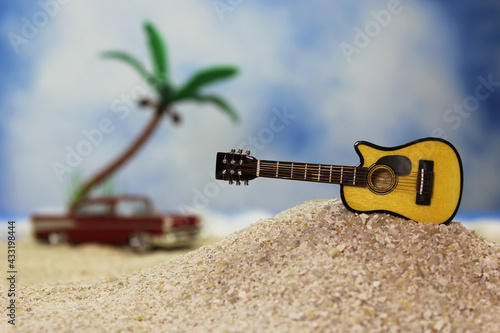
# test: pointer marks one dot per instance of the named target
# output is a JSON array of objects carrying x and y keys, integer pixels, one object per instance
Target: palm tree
[{"x": 166, "y": 97}]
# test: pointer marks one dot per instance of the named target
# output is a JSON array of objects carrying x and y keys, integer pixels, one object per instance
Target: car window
[
  {"x": 93, "y": 209},
  {"x": 133, "y": 208}
]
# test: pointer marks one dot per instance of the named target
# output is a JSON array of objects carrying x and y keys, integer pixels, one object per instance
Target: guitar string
[
  {"x": 412, "y": 188},
  {"x": 404, "y": 182},
  {"x": 312, "y": 166},
  {"x": 361, "y": 175},
  {"x": 407, "y": 183},
  {"x": 304, "y": 166},
  {"x": 398, "y": 188}
]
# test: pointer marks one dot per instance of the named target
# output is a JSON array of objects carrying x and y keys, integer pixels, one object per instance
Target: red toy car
[{"x": 117, "y": 220}]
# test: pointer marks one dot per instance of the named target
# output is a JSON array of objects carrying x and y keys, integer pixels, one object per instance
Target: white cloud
[
  {"x": 72, "y": 90},
  {"x": 221, "y": 225}
]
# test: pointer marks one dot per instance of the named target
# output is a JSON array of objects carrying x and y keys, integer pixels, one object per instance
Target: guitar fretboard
[{"x": 343, "y": 175}]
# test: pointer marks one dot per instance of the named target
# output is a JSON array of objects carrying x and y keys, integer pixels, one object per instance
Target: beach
[{"x": 313, "y": 268}]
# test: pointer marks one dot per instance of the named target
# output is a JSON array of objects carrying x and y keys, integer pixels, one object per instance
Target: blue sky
[{"x": 401, "y": 84}]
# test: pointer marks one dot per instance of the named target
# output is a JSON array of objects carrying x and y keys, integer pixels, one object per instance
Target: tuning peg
[
  {"x": 238, "y": 183},
  {"x": 240, "y": 151},
  {"x": 248, "y": 152},
  {"x": 245, "y": 182},
  {"x": 233, "y": 151},
  {"x": 231, "y": 182}
]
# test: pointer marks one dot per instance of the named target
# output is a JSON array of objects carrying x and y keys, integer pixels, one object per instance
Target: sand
[
  {"x": 42, "y": 263},
  {"x": 313, "y": 268}
]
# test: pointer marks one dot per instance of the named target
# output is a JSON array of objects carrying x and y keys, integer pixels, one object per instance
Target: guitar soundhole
[{"x": 381, "y": 179}]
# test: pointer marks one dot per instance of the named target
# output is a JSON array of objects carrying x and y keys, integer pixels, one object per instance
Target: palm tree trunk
[{"x": 123, "y": 158}]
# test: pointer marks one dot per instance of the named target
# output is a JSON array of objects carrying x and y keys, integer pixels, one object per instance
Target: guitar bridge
[{"x": 425, "y": 180}]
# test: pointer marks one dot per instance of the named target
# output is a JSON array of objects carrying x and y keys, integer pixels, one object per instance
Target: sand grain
[{"x": 316, "y": 267}]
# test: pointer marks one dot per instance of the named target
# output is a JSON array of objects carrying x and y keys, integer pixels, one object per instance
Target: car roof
[{"x": 114, "y": 199}]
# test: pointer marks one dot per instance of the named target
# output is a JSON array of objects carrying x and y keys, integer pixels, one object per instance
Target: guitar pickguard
[{"x": 401, "y": 165}]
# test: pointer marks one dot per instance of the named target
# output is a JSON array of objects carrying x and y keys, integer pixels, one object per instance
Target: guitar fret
[{"x": 333, "y": 174}]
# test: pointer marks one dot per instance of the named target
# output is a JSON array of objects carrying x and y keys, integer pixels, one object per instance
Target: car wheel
[
  {"x": 56, "y": 238},
  {"x": 140, "y": 242}
]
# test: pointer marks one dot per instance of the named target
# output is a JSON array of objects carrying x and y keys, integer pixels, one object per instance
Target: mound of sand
[{"x": 316, "y": 267}]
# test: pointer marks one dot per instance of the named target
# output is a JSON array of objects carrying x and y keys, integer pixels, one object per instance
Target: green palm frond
[
  {"x": 159, "y": 78},
  {"x": 158, "y": 52},
  {"x": 203, "y": 78},
  {"x": 108, "y": 187},
  {"x": 72, "y": 187},
  {"x": 132, "y": 61},
  {"x": 219, "y": 102}
]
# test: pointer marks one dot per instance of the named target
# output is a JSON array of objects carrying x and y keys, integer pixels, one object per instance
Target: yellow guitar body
[{"x": 442, "y": 187}]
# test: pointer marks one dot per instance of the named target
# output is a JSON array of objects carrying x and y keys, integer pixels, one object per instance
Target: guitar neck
[{"x": 334, "y": 174}]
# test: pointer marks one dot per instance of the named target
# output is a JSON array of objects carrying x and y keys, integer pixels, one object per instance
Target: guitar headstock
[{"x": 235, "y": 167}]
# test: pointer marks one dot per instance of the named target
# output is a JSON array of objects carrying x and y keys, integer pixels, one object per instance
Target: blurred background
[{"x": 316, "y": 77}]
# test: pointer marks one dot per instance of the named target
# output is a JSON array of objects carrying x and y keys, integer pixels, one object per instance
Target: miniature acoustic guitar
[{"x": 421, "y": 180}]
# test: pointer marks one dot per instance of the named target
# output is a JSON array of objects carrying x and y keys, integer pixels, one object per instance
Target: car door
[
  {"x": 95, "y": 223},
  {"x": 135, "y": 216}
]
